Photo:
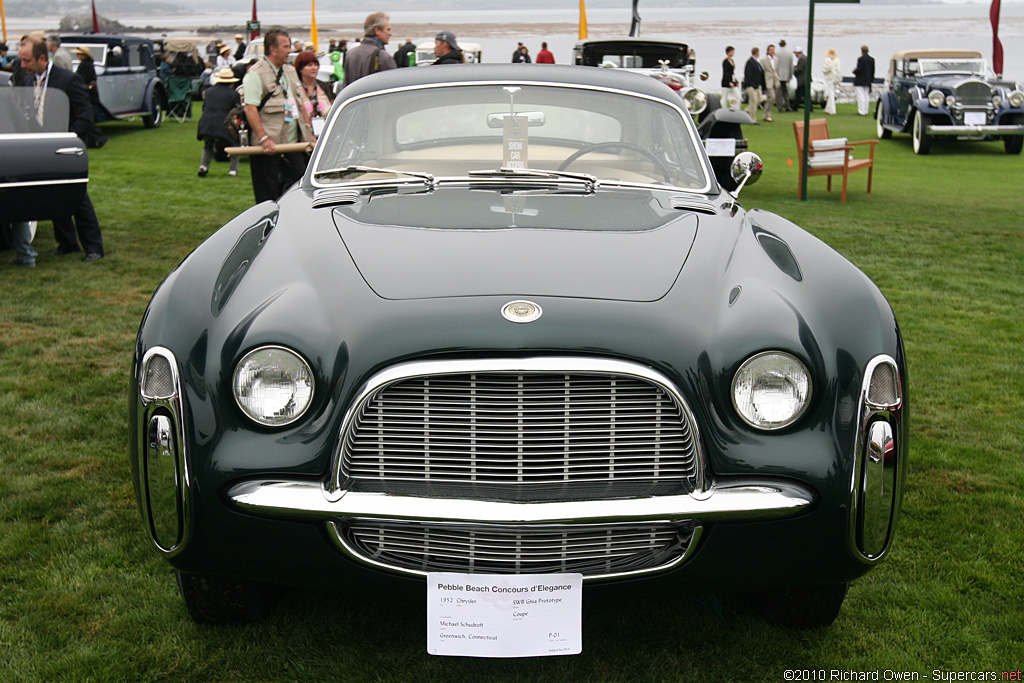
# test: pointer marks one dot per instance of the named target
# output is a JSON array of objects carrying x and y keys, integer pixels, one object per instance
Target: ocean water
[{"x": 884, "y": 28}]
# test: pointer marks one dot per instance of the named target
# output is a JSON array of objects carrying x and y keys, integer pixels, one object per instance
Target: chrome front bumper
[
  {"x": 974, "y": 130},
  {"x": 308, "y": 501}
]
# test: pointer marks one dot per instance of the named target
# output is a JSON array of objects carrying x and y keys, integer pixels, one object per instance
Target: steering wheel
[{"x": 613, "y": 146}]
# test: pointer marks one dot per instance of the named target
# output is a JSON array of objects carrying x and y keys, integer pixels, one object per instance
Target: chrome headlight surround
[
  {"x": 1016, "y": 98},
  {"x": 936, "y": 98},
  {"x": 771, "y": 390},
  {"x": 696, "y": 100},
  {"x": 273, "y": 386}
]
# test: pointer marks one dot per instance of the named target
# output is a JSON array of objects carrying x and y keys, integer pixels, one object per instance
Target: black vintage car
[
  {"x": 509, "y": 323},
  {"x": 949, "y": 94},
  {"x": 126, "y": 76}
]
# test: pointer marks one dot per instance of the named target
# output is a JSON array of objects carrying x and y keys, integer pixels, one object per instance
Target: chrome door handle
[{"x": 76, "y": 151}]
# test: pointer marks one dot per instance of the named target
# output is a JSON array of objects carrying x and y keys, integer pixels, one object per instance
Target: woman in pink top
[{"x": 315, "y": 97}]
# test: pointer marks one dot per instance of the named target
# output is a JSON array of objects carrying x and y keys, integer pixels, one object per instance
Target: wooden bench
[{"x": 832, "y": 157}]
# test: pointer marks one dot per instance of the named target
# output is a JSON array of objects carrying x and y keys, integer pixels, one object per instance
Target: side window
[
  {"x": 132, "y": 55},
  {"x": 146, "y": 57}
]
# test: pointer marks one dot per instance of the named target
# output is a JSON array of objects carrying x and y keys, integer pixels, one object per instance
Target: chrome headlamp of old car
[
  {"x": 771, "y": 390},
  {"x": 936, "y": 98},
  {"x": 1016, "y": 98},
  {"x": 696, "y": 100},
  {"x": 273, "y": 386}
]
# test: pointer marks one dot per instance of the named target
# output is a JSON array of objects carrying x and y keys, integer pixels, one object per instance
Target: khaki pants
[{"x": 753, "y": 102}]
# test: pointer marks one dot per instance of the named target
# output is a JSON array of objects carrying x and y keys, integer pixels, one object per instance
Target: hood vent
[
  {"x": 335, "y": 197},
  {"x": 693, "y": 204}
]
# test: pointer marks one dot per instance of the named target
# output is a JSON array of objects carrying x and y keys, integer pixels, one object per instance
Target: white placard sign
[
  {"x": 515, "y": 141},
  {"x": 720, "y": 147},
  {"x": 500, "y": 615}
]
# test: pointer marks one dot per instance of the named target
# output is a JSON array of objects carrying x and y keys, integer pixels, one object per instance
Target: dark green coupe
[{"x": 509, "y": 323}]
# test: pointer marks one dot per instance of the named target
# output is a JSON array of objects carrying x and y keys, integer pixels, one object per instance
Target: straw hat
[
  {"x": 224, "y": 50},
  {"x": 81, "y": 52},
  {"x": 830, "y": 53},
  {"x": 239, "y": 36},
  {"x": 225, "y": 75}
]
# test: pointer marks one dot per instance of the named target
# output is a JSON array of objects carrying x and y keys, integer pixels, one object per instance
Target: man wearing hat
[
  {"x": 239, "y": 46},
  {"x": 447, "y": 49},
  {"x": 370, "y": 56},
  {"x": 800, "y": 72},
  {"x": 218, "y": 100}
]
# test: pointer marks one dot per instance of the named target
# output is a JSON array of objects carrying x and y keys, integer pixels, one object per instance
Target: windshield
[
  {"x": 455, "y": 130},
  {"x": 956, "y": 66}
]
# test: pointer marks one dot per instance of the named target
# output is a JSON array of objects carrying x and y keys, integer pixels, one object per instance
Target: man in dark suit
[
  {"x": 753, "y": 82},
  {"x": 38, "y": 72},
  {"x": 800, "y": 71},
  {"x": 863, "y": 77}
]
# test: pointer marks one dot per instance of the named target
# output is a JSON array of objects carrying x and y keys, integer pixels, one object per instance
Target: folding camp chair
[{"x": 179, "y": 98}]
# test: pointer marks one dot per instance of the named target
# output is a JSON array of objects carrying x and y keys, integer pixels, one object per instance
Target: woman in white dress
[{"x": 833, "y": 73}]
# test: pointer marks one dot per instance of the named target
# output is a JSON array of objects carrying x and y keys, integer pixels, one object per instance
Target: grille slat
[
  {"x": 974, "y": 93},
  {"x": 588, "y": 549},
  {"x": 520, "y": 428}
]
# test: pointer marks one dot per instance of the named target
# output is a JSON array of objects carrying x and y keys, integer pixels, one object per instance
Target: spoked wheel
[
  {"x": 808, "y": 607},
  {"x": 883, "y": 132},
  {"x": 217, "y": 600},
  {"x": 922, "y": 141}
]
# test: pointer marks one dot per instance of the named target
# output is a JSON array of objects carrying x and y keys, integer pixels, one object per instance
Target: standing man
[
  {"x": 800, "y": 71},
  {"x": 37, "y": 71},
  {"x": 369, "y": 56},
  {"x": 275, "y": 118},
  {"x": 784, "y": 67},
  {"x": 239, "y": 47},
  {"x": 58, "y": 55},
  {"x": 863, "y": 76},
  {"x": 771, "y": 82},
  {"x": 447, "y": 49},
  {"x": 753, "y": 82},
  {"x": 402, "y": 54},
  {"x": 545, "y": 56}
]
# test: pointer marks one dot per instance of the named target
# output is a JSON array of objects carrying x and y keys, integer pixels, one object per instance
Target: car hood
[
  {"x": 949, "y": 82},
  {"x": 627, "y": 245}
]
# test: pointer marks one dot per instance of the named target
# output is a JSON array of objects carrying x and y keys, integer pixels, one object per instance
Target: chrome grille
[
  {"x": 520, "y": 429},
  {"x": 973, "y": 94},
  {"x": 592, "y": 550},
  {"x": 883, "y": 389}
]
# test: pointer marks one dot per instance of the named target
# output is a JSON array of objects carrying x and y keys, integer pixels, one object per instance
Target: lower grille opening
[{"x": 591, "y": 549}]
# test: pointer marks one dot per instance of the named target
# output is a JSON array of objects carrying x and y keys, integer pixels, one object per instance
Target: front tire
[
  {"x": 156, "y": 112},
  {"x": 809, "y": 607},
  {"x": 883, "y": 132},
  {"x": 1013, "y": 143},
  {"x": 217, "y": 600},
  {"x": 922, "y": 141}
]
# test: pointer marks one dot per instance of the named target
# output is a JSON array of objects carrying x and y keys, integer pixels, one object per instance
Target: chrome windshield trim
[
  {"x": 553, "y": 364},
  {"x": 691, "y": 128},
  {"x": 308, "y": 501}
]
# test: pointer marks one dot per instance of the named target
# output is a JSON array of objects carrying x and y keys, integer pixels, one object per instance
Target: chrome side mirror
[{"x": 745, "y": 168}]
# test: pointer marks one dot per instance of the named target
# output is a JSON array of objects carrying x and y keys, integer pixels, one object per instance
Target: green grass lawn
[{"x": 83, "y": 597}]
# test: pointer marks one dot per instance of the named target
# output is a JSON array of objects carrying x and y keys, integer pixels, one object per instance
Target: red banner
[
  {"x": 997, "y": 47},
  {"x": 96, "y": 21}
]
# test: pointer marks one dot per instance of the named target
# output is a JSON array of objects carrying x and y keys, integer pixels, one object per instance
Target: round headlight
[
  {"x": 950, "y": 101},
  {"x": 695, "y": 99},
  {"x": 1016, "y": 98},
  {"x": 935, "y": 98},
  {"x": 273, "y": 386},
  {"x": 771, "y": 390}
]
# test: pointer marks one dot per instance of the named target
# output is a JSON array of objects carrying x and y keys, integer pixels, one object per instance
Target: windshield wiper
[
  {"x": 351, "y": 170},
  {"x": 506, "y": 171}
]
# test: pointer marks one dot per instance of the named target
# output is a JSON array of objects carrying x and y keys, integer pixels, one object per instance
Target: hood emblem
[{"x": 521, "y": 311}]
